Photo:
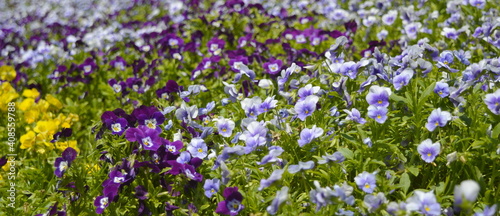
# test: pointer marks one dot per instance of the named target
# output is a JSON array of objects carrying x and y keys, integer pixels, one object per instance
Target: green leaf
[
  {"x": 427, "y": 92},
  {"x": 404, "y": 182},
  {"x": 398, "y": 98},
  {"x": 495, "y": 132},
  {"x": 413, "y": 170},
  {"x": 346, "y": 152}
]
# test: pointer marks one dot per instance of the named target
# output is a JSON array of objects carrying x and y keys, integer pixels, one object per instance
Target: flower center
[
  {"x": 118, "y": 179},
  {"x": 379, "y": 117},
  {"x": 151, "y": 123},
  {"x": 147, "y": 141},
  {"x": 63, "y": 166},
  {"x": 307, "y": 111},
  {"x": 200, "y": 150},
  {"x": 116, "y": 127},
  {"x": 367, "y": 185},
  {"x": 224, "y": 130},
  {"x": 117, "y": 88},
  {"x": 427, "y": 208},
  {"x": 171, "y": 148},
  {"x": 104, "y": 202},
  {"x": 440, "y": 92},
  {"x": 428, "y": 154},
  {"x": 213, "y": 191},
  {"x": 87, "y": 68},
  {"x": 437, "y": 123}
]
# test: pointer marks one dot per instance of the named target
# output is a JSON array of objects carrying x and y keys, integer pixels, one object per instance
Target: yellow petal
[
  {"x": 26, "y": 104},
  {"x": 54, "y": 101},
  {"x": 7, "y": 73},
  {"x": 31, "y": 93}
]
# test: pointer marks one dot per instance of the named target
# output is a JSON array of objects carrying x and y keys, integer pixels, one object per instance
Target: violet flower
[
  {"x": 101, "y": 203},
  {"x": 488, "y": 211},
  {"x": 147, "y": 137},
  {"x": 63, "y": 163},
  {"x": 355, "y": 116},
  {"x": 493, "y": 102},
  {"x": 301, "y": 166},
  {"x": 378, "y": 96},
  {"x": 215, "y": 46},
  {"x": 307, "y": 135},
  {"x": 232, "y": 204},
  {"x": 211, "y": 187},
  {"x": 379, "y": 114},
  {"x": 251, "y": 106},
  {"x": 366, "y": 181},
  {"x": 429, "y": 150},
  {"x": 117, "y": 86},
  {"x": 281, "y": 197},
  {"x": 173, "y": 147},
  {"x": 88, "y": 66},
  {"x": 403, "y": 78},
  {"x": 424, "y": 203},
  {"x": 442, "y": 89},
  {"x": 273, "y": 66},
  {"x": 197, "y": 148},
  {"x": 275, "y": 176},
  {"x": 437, "y": 118},
  {"x": 306, "y": 107},
  {"x": 225, "y": 127},
  {"x": 335, "y": 157}
]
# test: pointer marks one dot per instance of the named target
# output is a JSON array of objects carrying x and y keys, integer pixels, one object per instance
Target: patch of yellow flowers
[{"x": 42, "y": 116}]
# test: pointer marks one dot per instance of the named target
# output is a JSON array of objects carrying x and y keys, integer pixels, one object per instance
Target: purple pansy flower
[
  {"x": 174, "y": 147},
  {"x": 442, "y": 89},
  {"x": 114, "y": 123},
  {"x": 493, "y": 102},
  {"x": 184, "y": 157},
  {"x": 366, "y": 181},
  {"x": 88, "y": 66},
  {"x": 488, "y": 211},
  {"x": 478, "y": 3},
  {"x": 373, "y": 202},
  {"x": 211, "y": 187},
  {"x": 355, "y": 116},
  {"x": 390, "y": 17},
  {"x": 149, "y": 116},
  {"x": 428, "y": 150},
  {"x": 307, "y": 90},
  {"x": 307, "y": 135},
  {"x": 379, "y": 114},
  {"x": 275, "y": 176},
  {"x": 378, "y": 96},
  {"x": 424, "y": 203},
  {"x": 118, "y": 63},
  {"x": 62, "y": 163},
  {"x": 402, "y": 79},
  {"x": 437, "y": 118},
  {"x": 117, "y": 86},
  {"x": 306, "y": 107},
  {"x": 335, "y": 157},
  {"x": 281, "y": 196},
  {"x": 273, "y": 66},
  {"x": 197, "y": 148},
  {"x": 268, "y": 104},
  {"x": 147, "y": 137},
  {"x": 215, "y": 46},
  {"x": 225, "y": 127},
  {"x": 101, "y": 202},
  {"x": 301, "y": 166},
  {"x": 232, "y": 204},
  {"x": 251, "y": 106},
  {"x": 349, "y": 69}
]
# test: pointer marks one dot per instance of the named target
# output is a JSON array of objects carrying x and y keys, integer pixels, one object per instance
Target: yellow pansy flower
[
  {"x": 31, "y": 93},
  {"x": 26, "y": 104},
  {"x": 7, "y": 94},
  {"x": 54, "y": 101},
  {"x": 46, "y": 127},
  {"x": 27, "y": 140},
  {"x": 31, "y": 116},
  {"x": 7, "y": 73}
]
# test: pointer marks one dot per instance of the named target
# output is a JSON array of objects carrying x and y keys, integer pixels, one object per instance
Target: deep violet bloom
[
  {"x": 62, "y": 163},
  {"x": 101, "y": 203},
  {"x": 423, "y": 203},
  {"x": 379, "y": 114},
  {"x": 232, "y": 204},
  {"x": 237, "y": 62},
  {"x": 437, "y": 118},
  {"x": 306, "y": 107},
  {"x": 307, "y": 135},
  {"x": 493, "y": 102},
  {"x": 378, "y": 96},
  {"x": 117, "y": 86},
  {"x": 273, "y": 66},
  {"x": 211, "y": 187},
  {"x": 442, "y": 89},
  {"x": 174, "y": 147},
  {"x": 88, "y": 66},
  {"x": 114, "y": 123},
  {"x": 118, "y": 63},
  {"x": 147, "y": 137},
  {"x": 215, "y": 46},
  {"x": 366, "y": 181},
  {"x": 428, "y": 150},
  {"x": 64, "y": 133},
  {"x": 149, "y": 116}
]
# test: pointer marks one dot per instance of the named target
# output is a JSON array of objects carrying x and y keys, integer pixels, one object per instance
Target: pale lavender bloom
[
  {"x": 211, "y": 187},
  {"x": 321, "y": 196},
  {"x": 366, "y": 181},
  {"x": 445, "y": 59},
  {"x": 307, "y": 90},
  {"x": 306, "y": 107},
  {"x": 390, "y": 17},
  {"x": 378, "y": 96},
  {"x": 335, "y": 157},
  {"x": 344, "y": 193},
  {"x": 184, "y": 157},
  {"x": 478, "y": 3},
  {"x": 403, "y": 78},
  {"x": 275, "y": 176},
  {"x": 493, "y": 102},
  {"x": 254, "y": 136},
  {"x": 488, "y": 211},
  {"x": 412, "y": 30},
  {"x": 268, "y": 104},
  {"x": 252, "y": 106},
  {"x": 424, "y": 203},
  {"x": 272, "y": 156},
  {"x": 349, "y": 69},
  {"x": 185, "y": 113},
  {"x": 355, "y": 116},
  {"x": 307, "y": 135},
  {"x": 442, "y": 89},
  {"x": 463, "y": 56},
  {"x": 302, "y": 166},
  {"x": 450, "y": 33},
  {"x": 437, "y": 118},
  {"x": 225, "y": 127},
  {"x": 428, "y": 150},
  {"x": 368, "y": 141},
  {"x": 374, "y": 202},
  {"x": 197, "y": 148},
  {"x": 377, "y": 113},
  {"x": 468, "y": 189},
  {"x": 281, "y": 196}
]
